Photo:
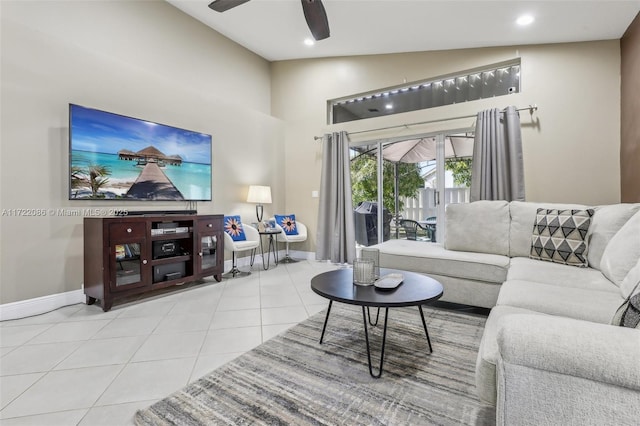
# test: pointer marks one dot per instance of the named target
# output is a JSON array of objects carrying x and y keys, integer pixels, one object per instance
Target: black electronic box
[
  {"x": 166, "y": 249},
  {"x": 171, "y": 271}
]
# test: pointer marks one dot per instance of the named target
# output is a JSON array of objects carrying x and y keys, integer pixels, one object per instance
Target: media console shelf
[{"x": 125, "y": 256}]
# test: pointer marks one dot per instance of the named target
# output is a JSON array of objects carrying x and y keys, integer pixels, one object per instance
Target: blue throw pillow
[
  {"x": 233, "y": 227},
  {"x": 287, "y": 223}
]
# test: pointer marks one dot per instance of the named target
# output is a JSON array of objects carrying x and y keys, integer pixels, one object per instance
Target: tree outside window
[
  {"x": 364, "y": 181},
  {"x": 461, "y": 170}
]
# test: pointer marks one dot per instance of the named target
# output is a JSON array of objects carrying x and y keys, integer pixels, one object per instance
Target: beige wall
[
  {"x": 630, "y": 124},
  {"x": 571, "y": 145},
  {"x": 149, "y": 60},
  {"x": 143, "y": 59}
]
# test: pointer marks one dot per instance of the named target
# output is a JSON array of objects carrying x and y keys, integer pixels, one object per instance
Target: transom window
[{"x": 492, "y": 80}]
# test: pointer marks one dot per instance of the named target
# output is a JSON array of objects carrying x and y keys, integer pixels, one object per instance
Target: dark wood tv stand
[{"x": 131, "y": 255}]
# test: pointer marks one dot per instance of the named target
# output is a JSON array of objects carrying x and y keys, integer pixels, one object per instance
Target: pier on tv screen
[{"x": 123, "y": 158}]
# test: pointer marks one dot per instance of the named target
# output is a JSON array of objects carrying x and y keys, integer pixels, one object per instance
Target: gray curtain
[
  {"x": 497, "y": 172},
  {"x": 336, "y": 232}
]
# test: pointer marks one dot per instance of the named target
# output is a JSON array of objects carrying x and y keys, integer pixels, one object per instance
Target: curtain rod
[{"x": 531, "y": 108}]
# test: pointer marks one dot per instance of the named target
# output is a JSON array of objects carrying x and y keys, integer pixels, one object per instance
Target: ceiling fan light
[{"x": 525, "y": 20}]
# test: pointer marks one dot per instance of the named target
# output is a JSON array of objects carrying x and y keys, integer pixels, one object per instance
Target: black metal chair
[
  {"x": 411, "y": 229},
  {"x": 430, "y": 226}
]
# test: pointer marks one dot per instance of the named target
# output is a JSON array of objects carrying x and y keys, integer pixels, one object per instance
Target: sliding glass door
[
  {"x": 365, "y": 194},
  {"x": 414, "y": 179},
  {"x": 456, "y": 160}
]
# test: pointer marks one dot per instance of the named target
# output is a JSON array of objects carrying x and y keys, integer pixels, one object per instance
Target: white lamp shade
[{"x": 259, "y": 194}]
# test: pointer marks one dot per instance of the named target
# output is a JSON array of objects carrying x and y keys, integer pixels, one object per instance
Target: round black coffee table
[{"x": 415, "y": 290}]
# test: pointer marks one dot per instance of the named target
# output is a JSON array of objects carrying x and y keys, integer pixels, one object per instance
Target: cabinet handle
[
  {"x": 129, "y": 230},
  {"x": 210, "y": 225},
  {"x": 144, "y": 262}
]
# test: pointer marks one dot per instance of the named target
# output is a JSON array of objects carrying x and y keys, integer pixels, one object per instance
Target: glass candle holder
[
  {"x": 363, "y": 272},
  {"x": 373, "y": 254}
]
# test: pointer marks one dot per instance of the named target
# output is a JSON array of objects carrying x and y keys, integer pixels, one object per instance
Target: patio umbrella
[{"x": 424, "y": 149}]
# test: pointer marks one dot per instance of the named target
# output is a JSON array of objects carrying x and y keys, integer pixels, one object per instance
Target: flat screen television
[{"x": 114, "y": 157}]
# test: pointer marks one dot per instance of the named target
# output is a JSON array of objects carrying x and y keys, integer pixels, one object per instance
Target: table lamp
[{"x": 259, "y": 195}]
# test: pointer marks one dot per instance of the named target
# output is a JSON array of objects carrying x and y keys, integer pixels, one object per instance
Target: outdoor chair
[{"x": 411, "y": 228}]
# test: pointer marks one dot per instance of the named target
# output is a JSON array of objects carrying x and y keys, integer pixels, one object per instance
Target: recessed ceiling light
[
  {"x": 525, "y": 20},
  {"x": 309, "y": 41}
]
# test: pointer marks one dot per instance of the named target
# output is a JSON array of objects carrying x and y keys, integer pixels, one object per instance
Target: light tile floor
[{"x": 78, "y": 365}]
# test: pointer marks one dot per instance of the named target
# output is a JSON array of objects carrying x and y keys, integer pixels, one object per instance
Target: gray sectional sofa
[{"x": 549, "y": 354}]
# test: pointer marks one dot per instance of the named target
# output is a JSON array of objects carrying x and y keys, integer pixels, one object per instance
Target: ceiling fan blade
[
  {"x": 316, "y": 18},
  {"x": 224, "y": 5}
]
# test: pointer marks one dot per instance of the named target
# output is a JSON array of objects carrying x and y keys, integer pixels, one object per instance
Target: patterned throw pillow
[
  {"x": 628, "y": 314},
  {"x": 560, "y": 236},
  {"x": 288, "y": 223},
  {"x": 233, "y": 227}
]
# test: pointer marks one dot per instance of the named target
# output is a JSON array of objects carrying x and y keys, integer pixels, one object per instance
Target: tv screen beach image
[{"x": 117, "y": 157}]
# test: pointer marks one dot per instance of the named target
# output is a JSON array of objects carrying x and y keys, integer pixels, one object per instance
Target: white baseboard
[
  {"x": 304, "y": 255},
  {"x": 40, "y": 305}
]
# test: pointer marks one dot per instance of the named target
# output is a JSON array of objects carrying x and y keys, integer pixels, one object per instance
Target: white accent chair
[
  {"x": 251, "y": 243},
  {"x": 287, "y": 239}
]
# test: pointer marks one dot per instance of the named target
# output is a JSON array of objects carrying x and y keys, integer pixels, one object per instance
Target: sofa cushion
[
  {"x": 433, "y": 258},
  {"x": 623, "y": 251},
  {"x": 574, "y": 349},
  {"x": 588, "y": 305},
  {"x": 523, "y": 268},
  {"x": 605, "y": 223},
  {"x": 478, "y": 227},
  {"x": 523, "y": 215},
  {"x": 560, "y": 236},
  {"x": 630, "y": 282},
  {"x": 627, "y": 313},
  {"x": 488, "y": 351},
  {"x": 468, "y": 291}
]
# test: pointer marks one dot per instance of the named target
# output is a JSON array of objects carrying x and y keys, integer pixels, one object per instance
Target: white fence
[{"x": 424, "y": 205}]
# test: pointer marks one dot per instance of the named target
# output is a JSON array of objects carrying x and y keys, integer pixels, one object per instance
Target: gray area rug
[{"x": 293, "y": 380}]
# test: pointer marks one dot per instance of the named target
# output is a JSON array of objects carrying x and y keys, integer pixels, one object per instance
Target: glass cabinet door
[
  {"x": 127, "y": 255},
  {"x": 209, "y": 245},
  {"x": 208, "y": 250},
  {"x": 128, "y": 264}
]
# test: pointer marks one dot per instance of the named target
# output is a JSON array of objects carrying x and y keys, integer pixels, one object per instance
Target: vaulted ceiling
[{"x": 276, "y": 29}]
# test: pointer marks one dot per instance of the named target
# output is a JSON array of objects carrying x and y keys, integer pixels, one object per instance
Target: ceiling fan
[{"x": 313, "y": 10}]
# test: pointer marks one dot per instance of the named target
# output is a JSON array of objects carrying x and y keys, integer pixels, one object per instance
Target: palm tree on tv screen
[
  {"x": 97, "y": 179},
  {"x": 93, "y": 176}
]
